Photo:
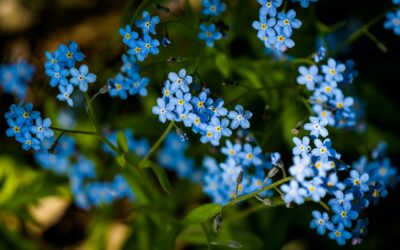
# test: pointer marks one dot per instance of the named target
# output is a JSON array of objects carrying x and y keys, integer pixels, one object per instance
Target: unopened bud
[{"x": 273, "y": 172}]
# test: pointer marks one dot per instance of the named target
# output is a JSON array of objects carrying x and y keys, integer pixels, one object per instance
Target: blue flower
[
  {"x": 138, "y": 85},
  {"x": 230, "y": 170},
  {"x": 212, "y": 7},
  {"x": 309, "y": 77},
  {"x": 302, "y": 146},
  {"x": 181, "y": 101},
  {"x": 14, "y": 129},
  {"x": 82, "y": 77},
  {"x": 288, "y": 22},
  {"x": 393, "y": 22},
  {"x": 304, "y": 3},
  {"x": 321, "y": 222},
  {"x": 264, "y": 27},
  {"x": 201, "y": 102},
  {"x": 231, "y": 150},
  {"x": 42, "y": 129},
  {"x": 317, "y": 127},
  {"x": 282, "y": 40},
  {"x": 293, "y": 193},
  {"x": 269, "y": 6},
  {"x": 70, "y": 54},
  {"x": 209, "y": 34},
  {"x": 240, "y": 117},
  {"x": 128, "y": 34},
  {"x": 301, "y": 168},
  {"x": 323, "y": 149},
  {"x": 333, "y": 71},
  {"x": 341, "y": 199},
  {"x": 26, "y": 114},
  {"x": 316, "y": 191},
  {"x": 180, "y": 80},
  {"x": 217, "y": 109},
  {"x": 220, "y": 128},
  {"x": 135, "y": 49},
  {"x": 163, "y": 111},
  {"x": 148, "y": 46},
  {"x": 344, "y": 214},
  {"x": 357, "y": 181},
  {"x": 28, "y": 142},
  {"x": 119, "y": 87},
  {"x": 52, "y": 60},
  {"x": 57, "y": 75},
  {"x": 148, "y": 23},
  {"x": 250, "y": 155},
  {"x": 65, "y": 94},
  {"x": 339, "y": 234}
]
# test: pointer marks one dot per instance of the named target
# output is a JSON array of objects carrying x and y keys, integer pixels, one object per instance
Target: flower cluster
[
  {"x": 242, "y": 172},
  {"x": 315, "y": 172},
  {"x": 172, "y": 157},
  {"x": 141, "y": 47},
  {"x": 211, "y": 32},
  {"x": 139, "y": 147},
  {"x": 60, "y": 68},
  {"x": 204, "y": 115},
  {"x": 393, "y": 20},
  {"x": 275, "y": 29},
  {"x": 129, "y": 80},
  {"x": 328, "y": 100},
  {"x": 27, "y": 126},
  {"x": 14, "y": 78},
  {"x": 81, "y": 171}
]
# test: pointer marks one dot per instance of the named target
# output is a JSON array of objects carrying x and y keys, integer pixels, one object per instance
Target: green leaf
[
  {"x": 203, "y": 213},
  {"x": 223, "y": 64},
  {"x": 122, "y": 142},
  {"x": 121, "y": 160},
  {"x": 162, "y": 178}
]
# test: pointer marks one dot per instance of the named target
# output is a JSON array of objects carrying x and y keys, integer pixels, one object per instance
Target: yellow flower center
[{"x": 69, "y": 54}]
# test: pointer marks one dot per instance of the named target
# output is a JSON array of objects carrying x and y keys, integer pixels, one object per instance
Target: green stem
[
  {"x": 251, "y": 195},
  {"x": 206, "y": 234},
  {"x": 326, "y": 207},
  {"x": 157, "y": 144},
  {"x": 71, "y": 131},
  {"x": 91, "y": 114}
]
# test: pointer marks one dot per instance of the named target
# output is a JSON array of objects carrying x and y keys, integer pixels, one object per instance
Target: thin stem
[
  {"x": 326, "y": 207},
  {"x": 251, "y": 195},
  {"x": 206, "y": 234},
  {"x": 71, "y": 131},
  {"x": 90, "y": 112},
  {"x": 157, "y": 144}
]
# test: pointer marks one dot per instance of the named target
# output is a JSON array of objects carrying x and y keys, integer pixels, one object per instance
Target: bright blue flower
[
  {"x": 26, "y": 114},
  {"x": 357, "y": 181},
  {"x": 57, "y": 75},
  {"x": 293, "y": 192},
  {"x": 180, "y": 80},
  {"x": 393, "y": 22},
  {"x": 264, "y": 27},
  {"x": 220, "y": 128},
  {"x": 301, "y": 168},
  {"x": 341, "y": 199},
  {"x": 321, "y": 222},
  {"x": 231, "y": 170},
  {"x": 309, "y": 77},
  {"x": 333, "y": 71},
  {"x": 28, "y": 142},
  {"x": 181, "y": 101},
  {"x": 149, "y": 46},
  {"x": 42, "y": 129},
  {"x": 148, "y": 23},
  {"x": 209, "y": 34},
  {"x": 52, "y": 59},
  {"x": 339, "y": 234},
  {"x": 231, "y": 150},
  {"x": 282, "y": 40},
  {"x": 323, "y": 149},
  {"x": 65, "y": 94},
  {"x": 129, "y": 65},
  {"x": 361, "y": 228},
  {"x": 250, "y": 155},
  {"x": 14, "y": 129},
  {"x": 136, "y": 48},
  {"x": 138, "y": 85},
  {"x": 302, "y": 146},
  {"x": 344, "y": 214},
  {"x": 288, "y": 22},
  {"x": 304, "y": 3},
  {"x": 317, "y": 127},
  {"x": 212, "y": 7},
  {"x": 269, "y": 7},
  {"x": 128, "y": 34},
  {"x": 316, "y": 191},
  {"x": 376, "y": 192},
  {"x": 82, "y": 77},
  {"x": 119, "y": 87},
  {"x": 240, "y": 117},
  {"x": 217, "y": 109},
  {"x": 70, "y": 54},
  {"x": 199, "y": 103},
  {"x": 163, "y": 110}
]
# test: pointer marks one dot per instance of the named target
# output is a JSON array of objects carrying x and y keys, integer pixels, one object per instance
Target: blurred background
[{"x": 36, "y": 208}]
